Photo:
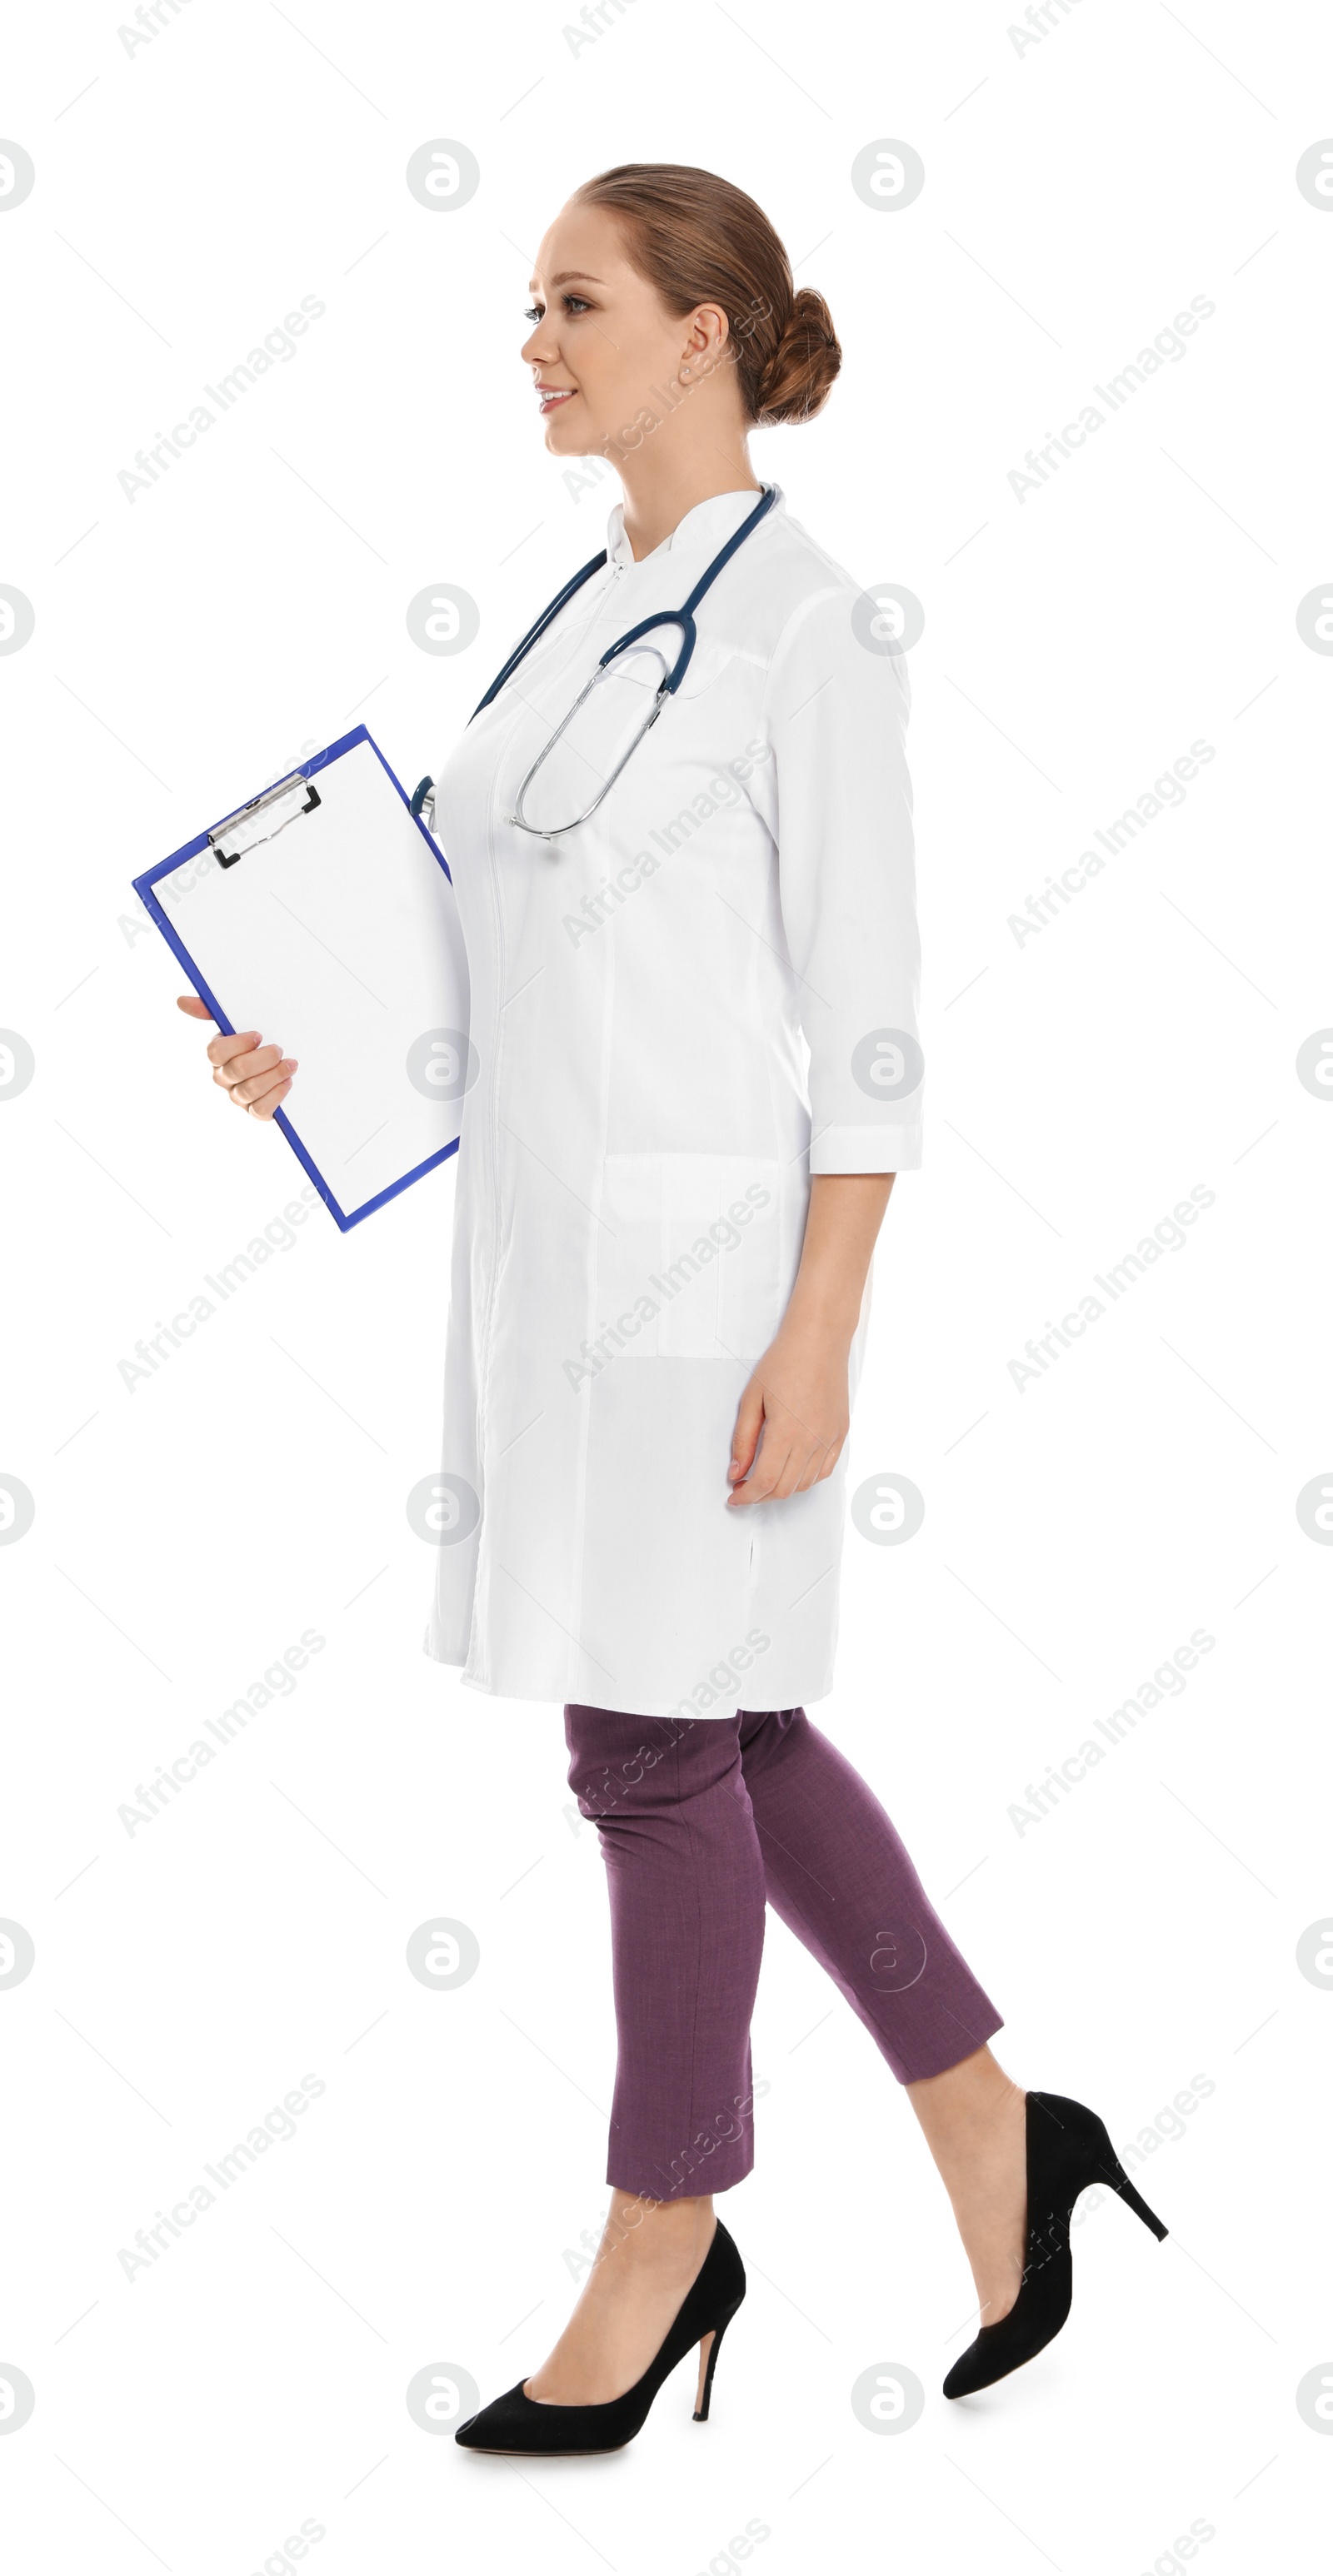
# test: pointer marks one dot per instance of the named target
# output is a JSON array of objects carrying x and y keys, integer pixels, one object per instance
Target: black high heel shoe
[
  {"x": 516, "y": 2422},
  {"x": 1068, "y": 2150}
]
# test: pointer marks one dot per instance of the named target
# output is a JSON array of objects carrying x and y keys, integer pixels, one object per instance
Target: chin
[{"x": 567, "y": 439}]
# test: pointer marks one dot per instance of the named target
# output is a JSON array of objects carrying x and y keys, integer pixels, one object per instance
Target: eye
[{"x": 572, "y": 304}]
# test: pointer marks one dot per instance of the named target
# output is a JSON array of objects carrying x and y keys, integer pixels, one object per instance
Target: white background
[{"x": 193, "y": 641}]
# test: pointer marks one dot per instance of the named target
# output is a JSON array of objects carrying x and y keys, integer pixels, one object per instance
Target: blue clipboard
[{"x": 325, "y": 913}]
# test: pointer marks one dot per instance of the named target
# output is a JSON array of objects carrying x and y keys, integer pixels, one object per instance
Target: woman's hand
[
  {"x": 797, "y": 1398},
  {"x": 258, "y": 1078}
]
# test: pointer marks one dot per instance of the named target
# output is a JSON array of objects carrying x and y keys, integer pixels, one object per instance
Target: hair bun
[{"x": 797, "y": 377}]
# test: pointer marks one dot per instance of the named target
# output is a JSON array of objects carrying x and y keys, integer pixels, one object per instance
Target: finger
[
  {"x": 271, "y": 1100},
  {"x": 792, "y": 1477},
  {"x": 222, "y": 1048},
  {"x": 248, "y": 1095},
  {"x": 745, "y": 1437},
  {"x": 259, "y": 1089},
  {"x": 251, "y": 1060},
  {"x": 831, "y": 1456},
  {"x": 190, "y": 1002},
  {"x": 763, "y": 1479},
  {"x": 821, "y": 1462}
]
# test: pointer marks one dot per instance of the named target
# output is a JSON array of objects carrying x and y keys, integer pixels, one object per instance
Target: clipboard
[{"x": 322, "y": 913}]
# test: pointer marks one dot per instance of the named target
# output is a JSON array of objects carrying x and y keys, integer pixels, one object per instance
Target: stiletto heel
[
  {"x": 705, "y": 2395},
  {"x": 517, "y": 2422},
  {"x": 1134, "y": 2200},
  {"x": 1068, "y": 2150}
]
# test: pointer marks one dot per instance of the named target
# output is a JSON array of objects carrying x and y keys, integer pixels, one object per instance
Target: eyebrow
[{"x": 567, "y": 277}]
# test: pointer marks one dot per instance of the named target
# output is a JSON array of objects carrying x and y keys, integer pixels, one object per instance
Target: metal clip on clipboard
[{"x": 263, "y": 818}]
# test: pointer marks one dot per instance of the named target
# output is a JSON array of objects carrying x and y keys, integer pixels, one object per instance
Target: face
[{"x": 603, "y": 339}]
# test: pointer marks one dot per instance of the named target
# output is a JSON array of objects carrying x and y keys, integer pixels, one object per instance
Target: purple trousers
[{"x": 702, "y": 1822}]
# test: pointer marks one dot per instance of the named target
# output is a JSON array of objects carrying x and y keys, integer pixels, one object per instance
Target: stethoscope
[{"x": 423, "y": 799}]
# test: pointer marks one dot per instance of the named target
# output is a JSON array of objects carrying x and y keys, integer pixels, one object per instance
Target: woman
[{"x": 659, "y": 1295}]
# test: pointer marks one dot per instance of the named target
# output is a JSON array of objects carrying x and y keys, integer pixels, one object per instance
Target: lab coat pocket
[{"x": 688, "y": 1260}]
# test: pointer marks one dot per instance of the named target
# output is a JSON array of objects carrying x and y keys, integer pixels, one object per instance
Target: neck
[{"x": 660, "y": 486}]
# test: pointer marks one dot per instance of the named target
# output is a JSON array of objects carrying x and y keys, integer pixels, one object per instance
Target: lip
[{"x": 552, "y": 397}]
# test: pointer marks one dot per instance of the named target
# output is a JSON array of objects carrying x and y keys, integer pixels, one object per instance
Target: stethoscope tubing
[{"x": 682, "y": 617}]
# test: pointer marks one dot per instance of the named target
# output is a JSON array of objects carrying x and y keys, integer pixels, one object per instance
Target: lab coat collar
[{"x": 699, "y": 534}]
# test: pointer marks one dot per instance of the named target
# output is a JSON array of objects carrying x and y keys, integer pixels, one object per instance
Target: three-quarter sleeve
[{"x": 835, "y": 719}]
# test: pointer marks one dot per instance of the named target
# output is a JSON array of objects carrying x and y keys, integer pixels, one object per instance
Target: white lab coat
[{"x": 667, "y": 1008}]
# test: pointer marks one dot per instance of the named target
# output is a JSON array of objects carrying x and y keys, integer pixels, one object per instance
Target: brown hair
[{"x": 698, "y": 240}]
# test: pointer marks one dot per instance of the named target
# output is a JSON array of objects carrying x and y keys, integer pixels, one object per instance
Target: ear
[{"x": 709, "y": 334}]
